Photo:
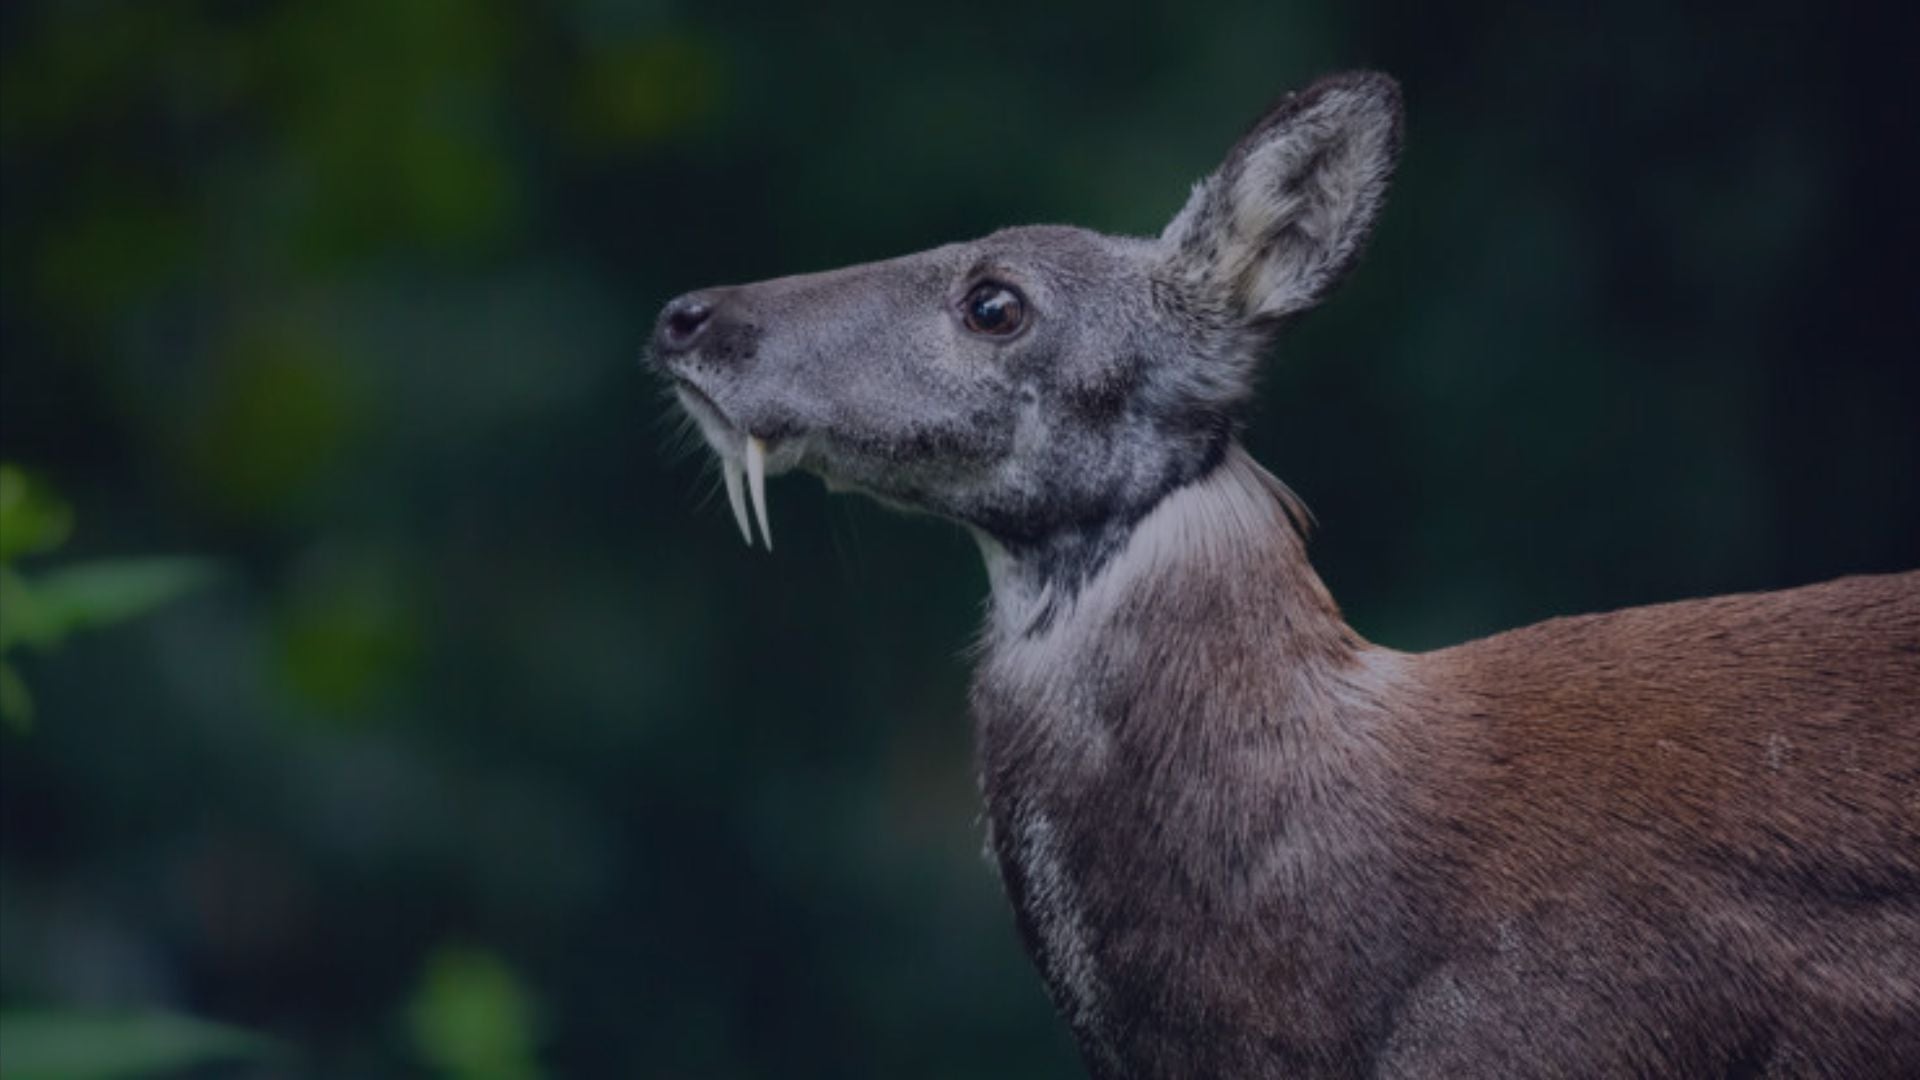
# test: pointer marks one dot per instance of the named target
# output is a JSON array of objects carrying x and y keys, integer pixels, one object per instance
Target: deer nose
[{"x": 682, "y": 323}]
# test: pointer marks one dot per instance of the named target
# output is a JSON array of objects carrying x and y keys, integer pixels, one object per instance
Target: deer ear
[{"x": 1287, "y": 213}]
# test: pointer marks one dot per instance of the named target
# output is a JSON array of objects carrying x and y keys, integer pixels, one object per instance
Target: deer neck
[
  {"x": 1126, "y": 734},
  {"x": 1211, "y": 588},
  {"x": 1203, "y": 662}
]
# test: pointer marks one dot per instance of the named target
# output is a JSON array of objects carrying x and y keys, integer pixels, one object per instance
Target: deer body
[
  {"x": 1241, "y": 841},
  {"x": 1668, "y": 841}
]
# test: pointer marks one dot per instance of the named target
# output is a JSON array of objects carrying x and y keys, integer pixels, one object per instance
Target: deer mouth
[{"x": 746, "y": 460}]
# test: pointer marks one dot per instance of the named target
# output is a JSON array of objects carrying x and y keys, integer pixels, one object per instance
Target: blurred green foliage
[
  {"x": 472, "y": 1020},
  {"x": 347, "y": 298},
  {"x": 40, "y": 610},
  {"x": 68, "y": 1046},
  {"x": 32, "y": 519}
]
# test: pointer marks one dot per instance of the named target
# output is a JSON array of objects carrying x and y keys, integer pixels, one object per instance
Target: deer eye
[{"x": 994, "y": 310}]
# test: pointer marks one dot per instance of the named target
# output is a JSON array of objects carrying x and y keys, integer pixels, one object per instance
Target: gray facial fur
[{"x": 1125, "y": 383}]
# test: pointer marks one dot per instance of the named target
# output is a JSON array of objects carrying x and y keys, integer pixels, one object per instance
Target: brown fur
[{"x": 1672, "y": 841}]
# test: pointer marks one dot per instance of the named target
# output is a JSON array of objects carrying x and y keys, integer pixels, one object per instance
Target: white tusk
[
  {"x": 736, "y": 498},
  {"x": 757, "y": 483}
]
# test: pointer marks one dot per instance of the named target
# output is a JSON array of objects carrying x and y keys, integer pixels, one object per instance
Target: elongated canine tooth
[
  {"x": 757, "y": 483},
  {"x": 736, "y": 498}
]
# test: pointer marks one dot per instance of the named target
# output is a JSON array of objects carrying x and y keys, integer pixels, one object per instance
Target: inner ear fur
[{"x": 1288, "y": 212}]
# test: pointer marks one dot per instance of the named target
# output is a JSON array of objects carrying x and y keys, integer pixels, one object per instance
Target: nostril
[
  {"x": 688, "y": 320},
  {"x": 684, "y": 319}
]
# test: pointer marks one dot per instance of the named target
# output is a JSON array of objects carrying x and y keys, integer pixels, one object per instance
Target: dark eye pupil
[{"x": 993, "y": 309}]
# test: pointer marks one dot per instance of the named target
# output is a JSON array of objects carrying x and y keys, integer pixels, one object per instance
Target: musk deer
[{"x": 1240, "y": 840}]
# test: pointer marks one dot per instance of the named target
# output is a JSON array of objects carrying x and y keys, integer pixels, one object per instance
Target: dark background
[{"x": 491, "y": 752}]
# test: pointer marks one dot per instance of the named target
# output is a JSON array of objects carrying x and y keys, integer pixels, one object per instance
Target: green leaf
[
  {"x": 44, "y": 609},
  {"x": 94, "y": 1046},
  {"x": 473, "y": 1020},
  {"x": 32, "y": 517}
]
